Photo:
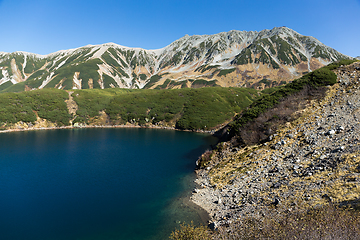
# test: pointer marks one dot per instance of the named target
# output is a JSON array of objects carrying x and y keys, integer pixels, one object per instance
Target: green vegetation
[
  {"x": 264, "y": 42},
  {"x": 337, "y": 64},
  {"x": 199, "y": 83},
  {"x": 320, "y": 52},
  {"x": 187, "y": 232},
  {"x": 328, "y": 222},
  {"x": 176, "y": 59},
  {"x": 19, "y": 87},
  {"x": 170, "y": 84},
  {"x": 33, "y": 65},
  {"x": 192, "y": 55},
  {"x": 274, "y": 64},
  {"x": 318, "y": 78},
  {"x": 109, "y": 59},
  {"x": 91, "y": 101},
  {"x": 13, "y": 109},
  {"x": 224, "y": 72},
  {"x": 244, "y": 57},
  {"x": 263, "y": 58},
  {"x": 35, "y": 80},
  {"x": 134, "y": 75},
  {"x": 204, "y": 68},
  {"x": 19, "y": 61},
  {"x": 187, "y": 108},
  {"x": 208, "y": 107},
  {"x": 5, "y": 85},
  {"x": 47, "y": 103},
  {"x": 88, "y": 70},
  {"x": 165, "y": 84},
  {"x": 192, "y": 109},
  {"x": 109, "y": 82},
  {"x": 266, "y": 82},
  {"x": 6, "y": 65},
  {"x": 152, "y": 81},
  {"x": 284, "y": 50},
  {"x": 134, "y": 62},
  {"x": 302, "y": 56},
  {"x": 143, "y": 76},
  {"x": 293, "y": 42}
]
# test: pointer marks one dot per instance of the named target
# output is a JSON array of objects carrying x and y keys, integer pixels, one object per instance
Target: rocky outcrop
[
  {"x": 308, "y": 162},
  {"x": 71, "y": 106}
]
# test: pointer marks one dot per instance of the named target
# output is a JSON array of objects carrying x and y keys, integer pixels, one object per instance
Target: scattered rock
[
  {"x": 305, "y": 160},
  {"x": 331, "y": 132}
]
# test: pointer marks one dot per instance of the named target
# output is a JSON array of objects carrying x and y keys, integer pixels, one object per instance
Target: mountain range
[{"x": 235, "y": 58}]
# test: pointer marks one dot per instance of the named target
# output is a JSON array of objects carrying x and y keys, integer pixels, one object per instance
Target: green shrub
[
  {"x": 193, "y": 109},
  {"x": 203, "y": 108},
  {"x": 337, "y": 64},
  {"x": 318, "y": 78},
  {"x": 204, "y": 83},
  {"x": 224, "y": 72},
  {"x": 19, "y": 87},
  {"x": 48, "y": 103},
  {"x": 5, "y": 85},
  {"x": 191, "y": 232},
  {"x": 152, "y": 81}
]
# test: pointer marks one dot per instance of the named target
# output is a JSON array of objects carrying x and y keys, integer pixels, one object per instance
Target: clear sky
[{"x": 46, "y": 26}]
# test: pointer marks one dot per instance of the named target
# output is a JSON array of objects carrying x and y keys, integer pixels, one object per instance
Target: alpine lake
[{"x": 108, "y": 183}]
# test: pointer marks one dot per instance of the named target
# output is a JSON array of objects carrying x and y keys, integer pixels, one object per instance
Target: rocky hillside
[
  {"x": 236, "y": 58},
  {"x": 308, "y": 162}
]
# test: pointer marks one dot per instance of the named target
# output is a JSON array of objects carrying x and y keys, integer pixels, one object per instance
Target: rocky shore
[
  {"x": 21, "y": 126},
  {"x": 309, "y": 162}
]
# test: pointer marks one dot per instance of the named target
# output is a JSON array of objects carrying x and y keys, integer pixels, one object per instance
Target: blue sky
[{"x": 46, "y": 26}]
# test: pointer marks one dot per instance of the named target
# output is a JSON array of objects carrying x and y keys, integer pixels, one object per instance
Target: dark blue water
[{"x": 96, "y": 183}]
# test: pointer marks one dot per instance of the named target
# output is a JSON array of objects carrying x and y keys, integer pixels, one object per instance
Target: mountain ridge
[{"x": 235, "y": 58}]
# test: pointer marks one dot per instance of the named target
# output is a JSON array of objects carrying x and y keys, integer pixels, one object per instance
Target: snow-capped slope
[{"x": 235, "y": 58}]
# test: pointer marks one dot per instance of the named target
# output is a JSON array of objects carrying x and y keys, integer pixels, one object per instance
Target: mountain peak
[{"x": 235, "y": 58}]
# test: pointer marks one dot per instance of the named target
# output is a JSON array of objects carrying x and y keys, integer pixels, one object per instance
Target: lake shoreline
[
  {"x": 188, "y": 200},
  {"x": 102, "y": 126},
  {"x": 73, "y": 154}
]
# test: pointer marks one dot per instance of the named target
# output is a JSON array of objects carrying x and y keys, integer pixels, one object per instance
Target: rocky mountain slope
[
  {"x": 236, "y": 58},
  {"x": 307, "y": 163}
]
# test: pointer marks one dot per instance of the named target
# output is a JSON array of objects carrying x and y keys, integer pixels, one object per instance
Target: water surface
[{"x": 96, "y": 183}]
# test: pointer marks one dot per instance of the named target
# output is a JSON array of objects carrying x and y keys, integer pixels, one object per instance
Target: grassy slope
[
  {"x": 318, "y": 78},
  {"x": 192, "y": 109},
  {"x": 47, "y": 103}
]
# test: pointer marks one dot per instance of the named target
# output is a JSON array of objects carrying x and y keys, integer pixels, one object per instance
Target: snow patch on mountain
[
  {"x": 192, "y": 56},
  {"x": 101, "y": 50},
  {"x": 76, "y": 81},
  {"x": 6, "y": 77},
  {"x": 47, "y": 80}
]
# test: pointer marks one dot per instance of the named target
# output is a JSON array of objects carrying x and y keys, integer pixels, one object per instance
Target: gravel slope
[{"x": 309, "y": 162}]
